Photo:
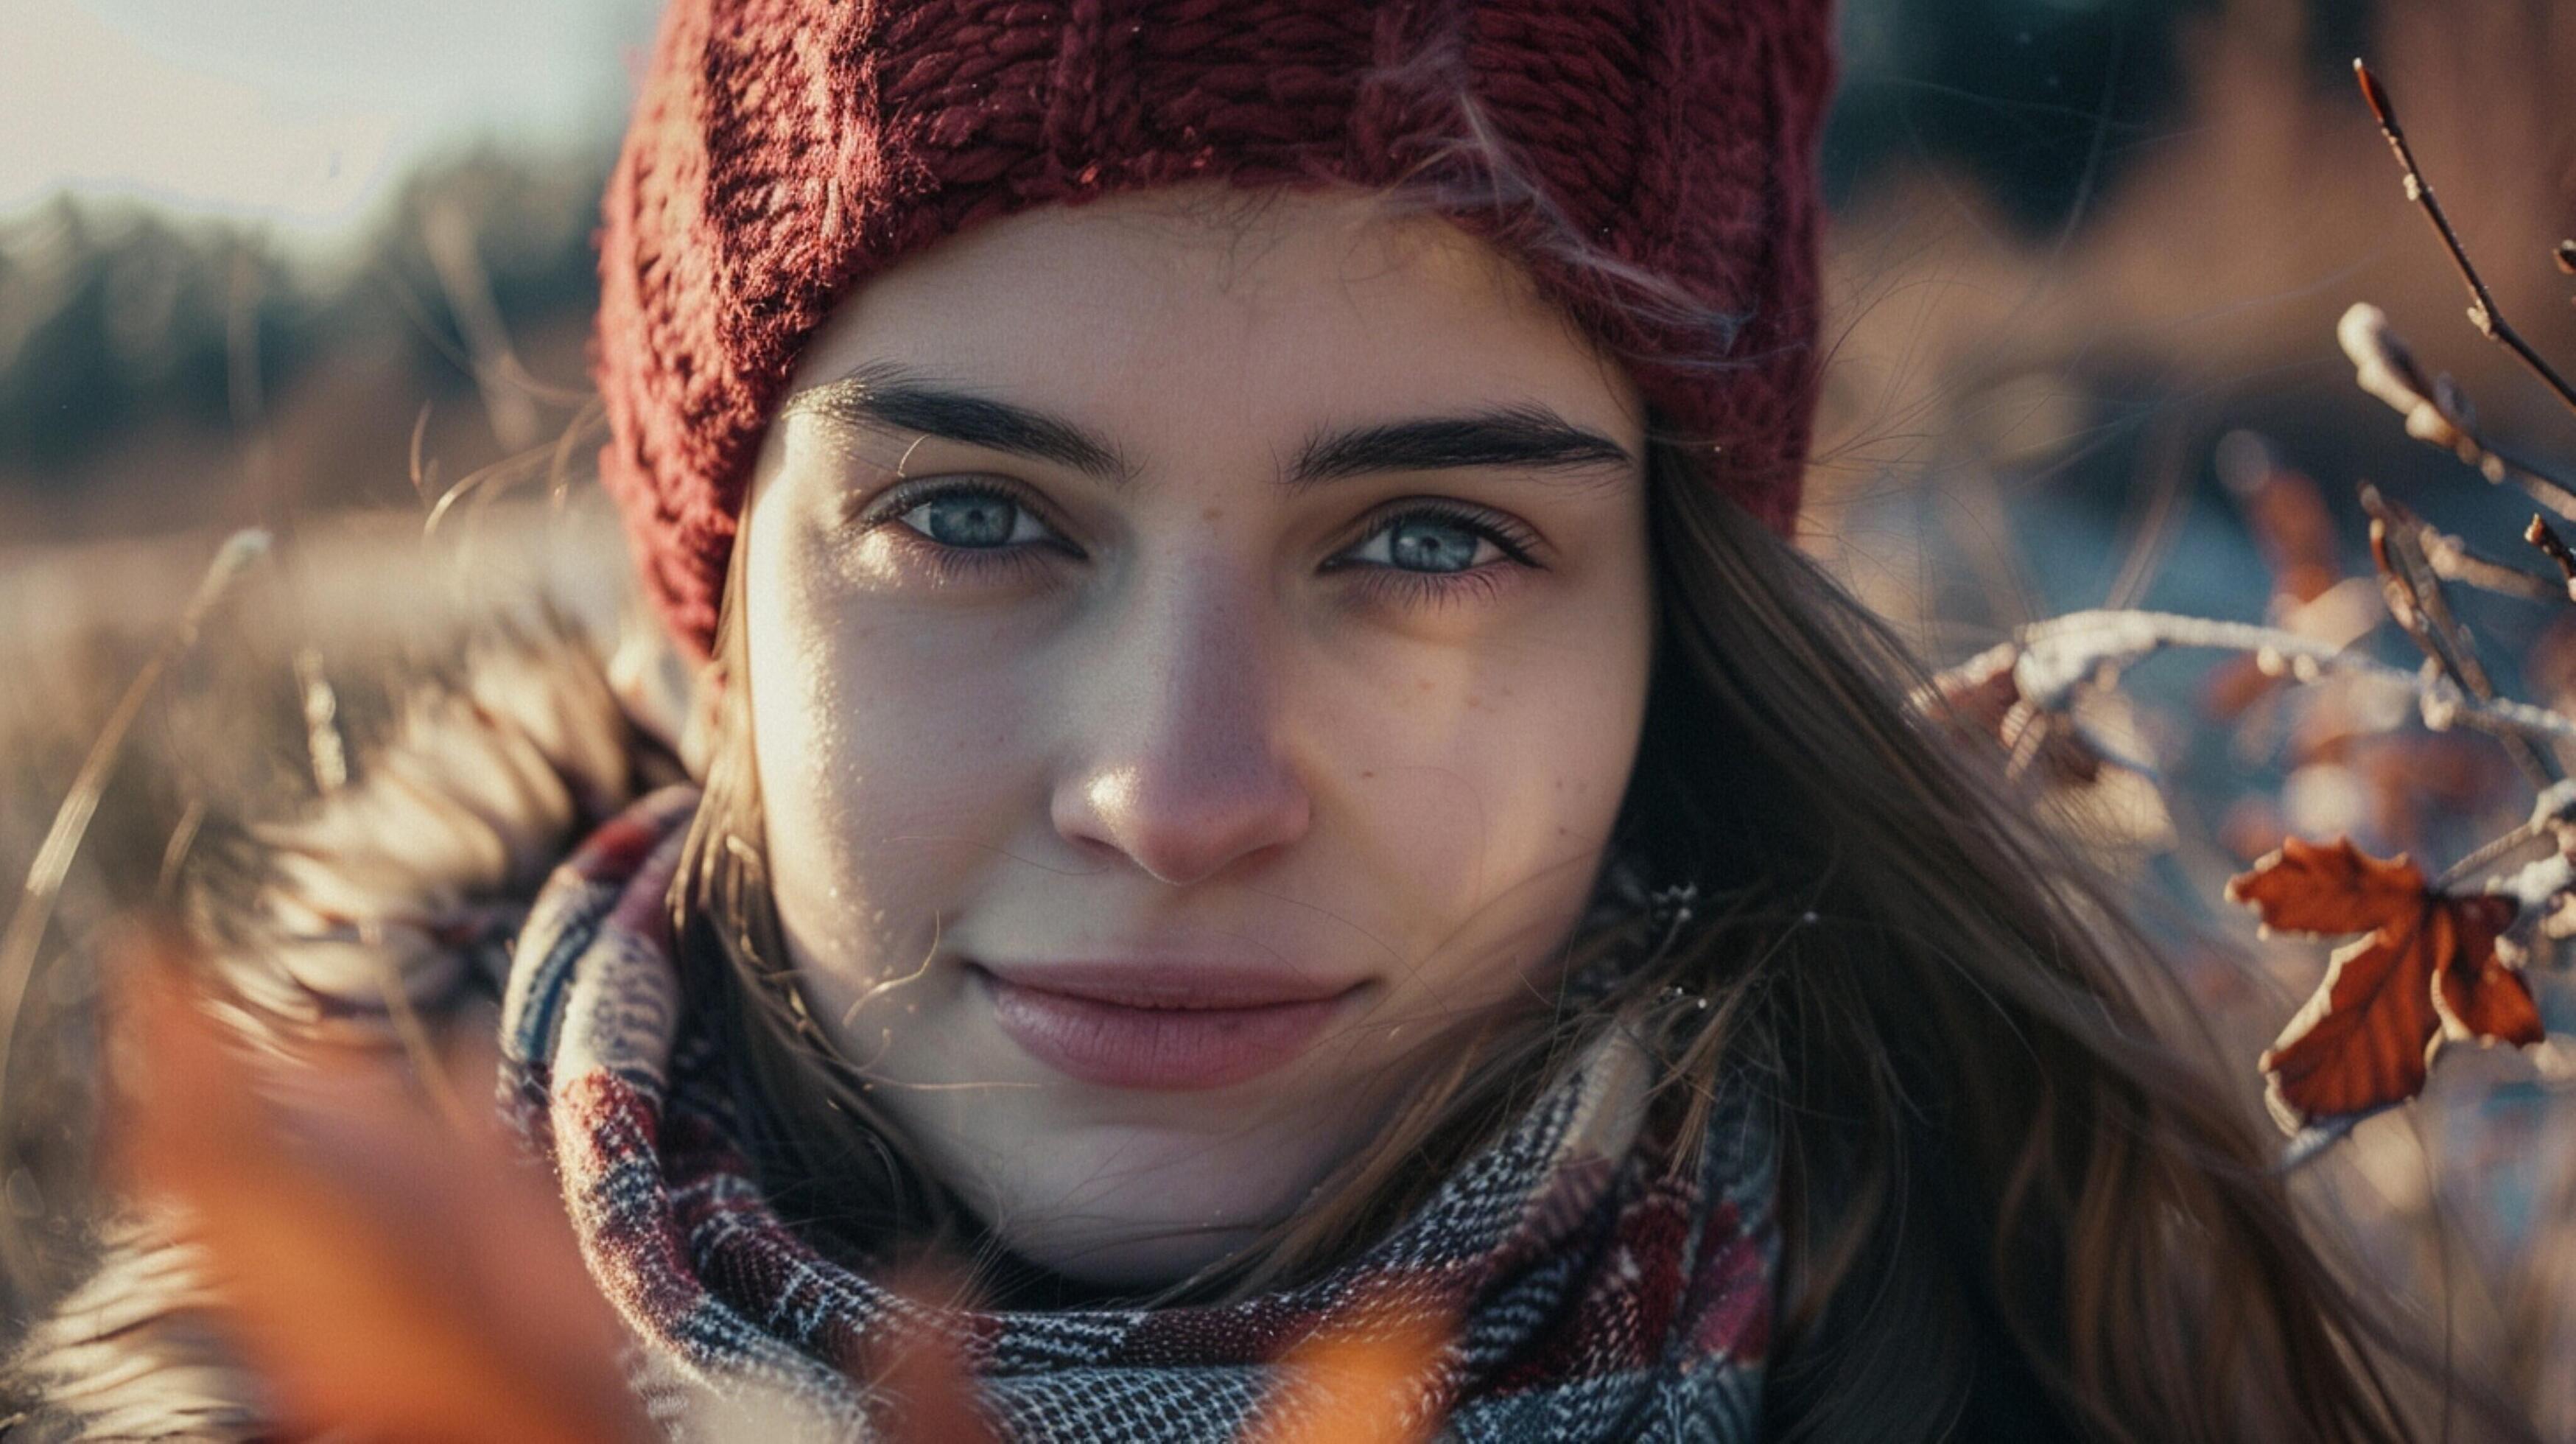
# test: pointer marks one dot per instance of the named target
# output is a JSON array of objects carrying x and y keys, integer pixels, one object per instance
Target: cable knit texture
[{"x": 1651, "y": 161}]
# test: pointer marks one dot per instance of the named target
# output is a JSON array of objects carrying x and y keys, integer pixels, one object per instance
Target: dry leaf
[
  {"x": 1354, "y": 1381},
  {"x": 2425, "y": 971},
  {"x": 387, "y": 1275}
]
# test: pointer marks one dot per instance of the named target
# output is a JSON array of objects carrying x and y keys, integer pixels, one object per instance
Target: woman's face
[{"x": 1196, "y": 649}]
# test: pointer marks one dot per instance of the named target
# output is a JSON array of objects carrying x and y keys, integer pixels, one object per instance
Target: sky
[{"x": 298, "y": 114}]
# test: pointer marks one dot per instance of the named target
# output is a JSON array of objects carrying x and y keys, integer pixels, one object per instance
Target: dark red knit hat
[{"x": 1651, "y": 161}]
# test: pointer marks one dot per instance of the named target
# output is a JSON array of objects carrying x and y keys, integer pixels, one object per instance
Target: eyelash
[{"x": 1397, "y": 584}]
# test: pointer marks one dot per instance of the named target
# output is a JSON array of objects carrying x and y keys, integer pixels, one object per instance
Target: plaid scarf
[{"x": 1583, "y": 1291}]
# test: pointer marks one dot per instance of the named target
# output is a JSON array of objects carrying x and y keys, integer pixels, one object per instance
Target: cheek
[
  {"x": 885, "y": 755},
  {"x": 1496, "y": 781}
]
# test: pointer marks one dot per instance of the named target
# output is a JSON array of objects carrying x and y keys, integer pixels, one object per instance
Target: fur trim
[
  {"x": 402, "y": 889},
  {"x": 411, "y": 881},
  {"x": 132, "y": 1353}
]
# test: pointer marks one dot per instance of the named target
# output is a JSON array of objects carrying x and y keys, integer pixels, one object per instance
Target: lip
[{"x": 1159, "y": 1024}]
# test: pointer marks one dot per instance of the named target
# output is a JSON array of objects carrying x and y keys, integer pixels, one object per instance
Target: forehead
[{"x": 1201, "y": 316}]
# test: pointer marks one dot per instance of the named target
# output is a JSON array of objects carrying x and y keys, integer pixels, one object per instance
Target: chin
[{"x": 1140, "y": 1209}]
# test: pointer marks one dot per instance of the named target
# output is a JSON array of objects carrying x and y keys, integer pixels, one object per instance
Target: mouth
[{"x": 1172, "y": 1026}]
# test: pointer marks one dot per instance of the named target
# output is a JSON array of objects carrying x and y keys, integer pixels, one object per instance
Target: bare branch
[
  {"x": 2551, "y": 811},
  {"x": 2416, "y": 602},
  {"x": 2486, "y": 853},
  {"x": 2403, "y": 548},
  {"x": 2482, "y": 307},
  {"x": 2553, "y": 547},
  {"x": 2454, "y": 560}
]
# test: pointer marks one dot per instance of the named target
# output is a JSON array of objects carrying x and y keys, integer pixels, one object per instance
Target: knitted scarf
[{"x": 1584, "y": 1292}]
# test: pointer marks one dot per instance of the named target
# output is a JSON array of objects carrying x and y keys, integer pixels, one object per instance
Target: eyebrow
[
  {"x": 898, "y": 399},
  {"x": 1529, "y": 436},
  {"x": 1526, "y": 436}
]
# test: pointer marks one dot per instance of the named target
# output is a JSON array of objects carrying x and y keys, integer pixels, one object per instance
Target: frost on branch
[
  {"x": 2434, "y": 408},
  {"x": 2084, "y": 763}
]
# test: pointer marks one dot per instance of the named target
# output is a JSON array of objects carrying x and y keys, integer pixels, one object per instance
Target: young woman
[{"x": 1262, "y": 755}]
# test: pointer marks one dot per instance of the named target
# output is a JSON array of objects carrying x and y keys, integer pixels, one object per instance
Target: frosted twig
[
  {"x": 2552, "y": 809},
  {"x": 2049, "y": 659},
  {"x": 2486, "y": 853},
  {"x": 2436, "y": 410},
  {"x": 2454, "y": 560},
  {"x": 2536, "y": 883}
]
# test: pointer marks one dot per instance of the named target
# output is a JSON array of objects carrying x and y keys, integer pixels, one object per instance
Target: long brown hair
[{"x": 2009, "y": 1202}]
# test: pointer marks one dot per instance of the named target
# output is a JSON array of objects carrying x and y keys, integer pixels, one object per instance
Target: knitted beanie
[{"x": 1651, "y": 162}]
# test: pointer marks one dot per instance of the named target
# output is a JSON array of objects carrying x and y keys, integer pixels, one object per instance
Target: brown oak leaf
[{"x": 2424, "y": 972}]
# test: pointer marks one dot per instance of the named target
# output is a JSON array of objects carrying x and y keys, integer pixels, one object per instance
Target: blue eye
[
  {"x": 1422, "y": 545},
  {"x": 973, "y": 519},
  {"x": 1433, "y": 542}
]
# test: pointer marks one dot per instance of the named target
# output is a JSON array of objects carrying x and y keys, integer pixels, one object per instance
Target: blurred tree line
[{"x": 113, "y": 312}]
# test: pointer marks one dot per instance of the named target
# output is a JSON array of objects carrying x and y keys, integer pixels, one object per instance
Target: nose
[{"x": 1181, "y": 767}]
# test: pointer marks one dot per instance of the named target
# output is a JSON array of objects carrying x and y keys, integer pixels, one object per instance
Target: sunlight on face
[{"x": 1197, "y": 647}]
